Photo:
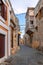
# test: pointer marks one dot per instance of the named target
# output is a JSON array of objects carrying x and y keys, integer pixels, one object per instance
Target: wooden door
[
  {"x": 11, "y": 37},
  {"x": 2, "y": 45}
]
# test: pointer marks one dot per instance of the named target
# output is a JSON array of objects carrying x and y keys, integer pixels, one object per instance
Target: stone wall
[{"x": 38, "y": 34}]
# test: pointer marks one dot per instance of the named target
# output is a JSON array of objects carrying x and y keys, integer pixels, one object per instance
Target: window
[
  {"x": 36, "y": 28},
  {"x": 3, "y": 10},
  {"x": 0, "y": 1},
  {"x": 0, "y": 10},
  {"x": 31, "y": 22},
  {"x": 0, "y": 6}
]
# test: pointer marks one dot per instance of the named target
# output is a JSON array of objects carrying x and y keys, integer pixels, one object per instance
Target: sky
[
  {"x": 20, "y": 8},
  {"x": 21, "y": 22}
]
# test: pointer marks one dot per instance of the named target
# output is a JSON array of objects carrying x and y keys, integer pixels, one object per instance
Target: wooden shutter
[
  {"x": 0, "y": 1},
  {"x": 1, "y": 4},
  {"x": 2, "y": 12},
  {"x": 5, "y": 12}
]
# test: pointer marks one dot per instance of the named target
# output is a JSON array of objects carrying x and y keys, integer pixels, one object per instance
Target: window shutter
[
  {"x": 5, "y": 12},
  {"x": 2, "y": 12},
  {"x": 0, "y": 2}
]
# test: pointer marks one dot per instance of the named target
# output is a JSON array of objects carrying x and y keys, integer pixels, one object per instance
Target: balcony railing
[{"x": 31, "y": 26}]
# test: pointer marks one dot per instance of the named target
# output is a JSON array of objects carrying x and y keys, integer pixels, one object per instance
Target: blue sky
[
  {"x": 21, "y": 22},
  {"x": 20, "y": 8}
]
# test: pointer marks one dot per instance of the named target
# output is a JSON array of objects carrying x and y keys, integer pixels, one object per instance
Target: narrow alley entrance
[{"x": 21, "y": 32}]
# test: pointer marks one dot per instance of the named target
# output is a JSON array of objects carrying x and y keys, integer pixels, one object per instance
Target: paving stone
[
  {"x": 26, "y": 56},
  {"x": 5, "y": 63}
]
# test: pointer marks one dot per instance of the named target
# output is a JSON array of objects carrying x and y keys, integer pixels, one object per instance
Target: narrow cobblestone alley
[
  {"x": 21, "y": 32},
  {"x": 26, "y": 56}
]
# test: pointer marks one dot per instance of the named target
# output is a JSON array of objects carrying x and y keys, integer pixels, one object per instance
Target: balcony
[{"x": 29, "y": 27}]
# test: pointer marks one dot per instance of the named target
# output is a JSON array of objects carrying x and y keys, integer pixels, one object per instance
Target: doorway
[
  {"x": 11, "y": 37},
  {"x": 2, "y": 45}
]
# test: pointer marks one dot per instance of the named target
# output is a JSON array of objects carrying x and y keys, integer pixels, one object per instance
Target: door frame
[{"x": 4, "y": 33}]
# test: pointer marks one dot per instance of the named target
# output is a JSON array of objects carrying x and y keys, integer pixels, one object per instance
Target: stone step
[{"x": 8, "y": 60}]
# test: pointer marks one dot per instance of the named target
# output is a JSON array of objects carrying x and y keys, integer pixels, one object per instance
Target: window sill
[{"x": 2, "y": 19}]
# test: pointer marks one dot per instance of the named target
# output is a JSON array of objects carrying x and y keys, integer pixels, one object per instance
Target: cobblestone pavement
[{"x": 26, "y": 56}]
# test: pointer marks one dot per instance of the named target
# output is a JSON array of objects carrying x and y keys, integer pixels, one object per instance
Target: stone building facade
[
  {"x": 8, "y": 30},
  {"x": 14, "y": 29},
  {"x": 39, "y": 21},
  {"x": 30, "y": 24},
  {"x": 4, "y": 30},
  {"x": 13, "y": 35},
  {"x": 26, "y": 39}
]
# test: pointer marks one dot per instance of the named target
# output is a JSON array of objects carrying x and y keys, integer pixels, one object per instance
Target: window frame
[{"x": 3, "y": 11}]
